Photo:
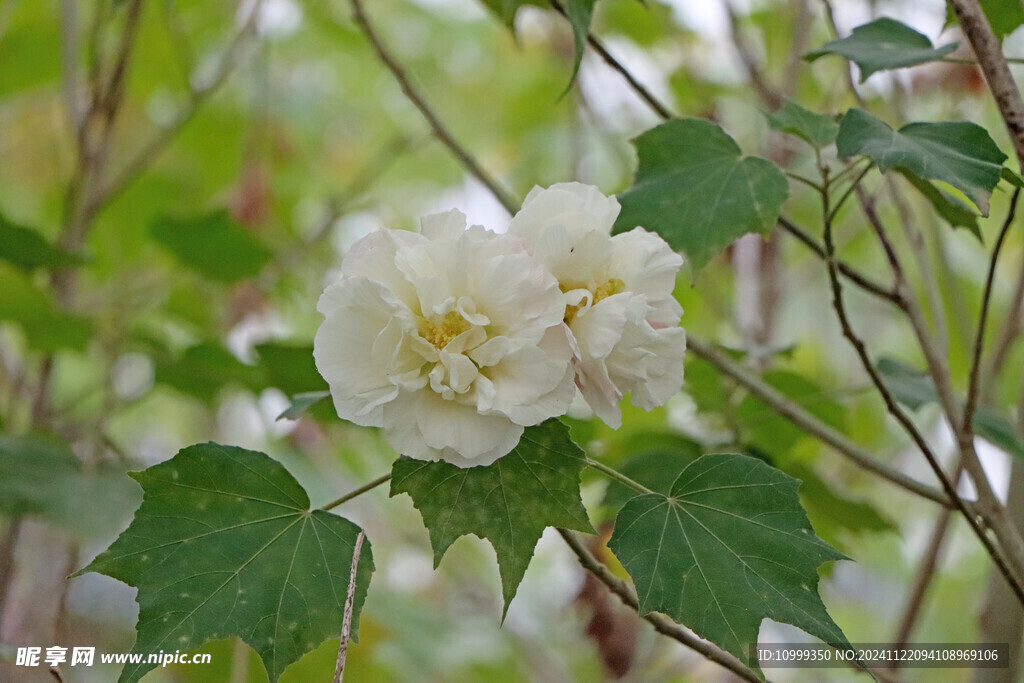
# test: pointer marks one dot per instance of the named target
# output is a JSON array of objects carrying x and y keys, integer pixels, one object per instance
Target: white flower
[
  {"x": 452, "y": 340},
  {"x": 618, "y": 293}
]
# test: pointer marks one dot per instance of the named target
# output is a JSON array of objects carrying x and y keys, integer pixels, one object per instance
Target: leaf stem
[
  {"x": 853, "y": 186},
  {"x": 358, "y": 492},
  {"x": 618, "y": 476}
]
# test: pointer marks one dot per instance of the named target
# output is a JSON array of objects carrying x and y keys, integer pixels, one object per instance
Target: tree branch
[
  {"x": 442, "y": 134},
  {"x": 852, "y": 274},
  {"x": 997, "y": 72},
  {"x": 809, "y": 423},
  {"x": 1008, "y": 566},
  {"x": 197, "y": 96},
  {"x": 661, "y": 623},
  {"x": 346, "y": 624}
]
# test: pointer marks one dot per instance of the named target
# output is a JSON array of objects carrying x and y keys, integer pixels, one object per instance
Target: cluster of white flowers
[{"x": 454, "y": 340}]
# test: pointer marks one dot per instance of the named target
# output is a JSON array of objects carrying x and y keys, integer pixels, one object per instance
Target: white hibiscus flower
[
  {"x": 452, "y": 340},
  {"x": 618, "y": 294}
]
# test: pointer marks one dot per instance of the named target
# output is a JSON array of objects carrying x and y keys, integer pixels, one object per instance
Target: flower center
[
  {"x": 603, "y": 291},
  {"x": 440, "y": 332}
]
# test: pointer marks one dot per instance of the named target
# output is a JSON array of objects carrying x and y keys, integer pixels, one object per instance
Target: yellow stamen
[
  {"x": 439, "y": 333},
  {"x": 612, "y": 286}
]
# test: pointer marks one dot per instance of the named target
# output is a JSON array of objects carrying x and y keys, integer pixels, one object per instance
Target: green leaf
[
  {"x": 506, "y": 9},
  {"x": 579, "y": 13},
  {"x": 509, "y": 503},
  {"x": 765, "y": 429},
  {"x": 883, "y": 44},
  {"x": 1011, "y": 177},
  {"x": 42, "y": 477},
  {"x": 959, "y": 153},
  {"x": 729, "y": 547},
  {"x": 26, "y": 248},
  {"x": 204, "y": 369},
  {"x": 915, "y": 389},
  {"x": 290, "y": 367},
  {"x": 302, "y": 403},
  {"x": 954, "y": 211},
  {"x": 225, "y": 544},
  {"x": 695, "y": 189},
  {"x": 818, "y": 130},
  {"x": 45, "y": 327},
  {"x": 214, "y": 245}
]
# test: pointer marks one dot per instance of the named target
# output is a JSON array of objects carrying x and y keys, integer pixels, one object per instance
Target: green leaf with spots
[
  {"x": 509, "y": 503},
  {"x": 729, "y": 547},
  {"x": 959, "y": 153},
  {"x": 214, "y": 245},
  {"x": 695, "y": 189},
  {"x": 817, "y": 130},
  {"x": 883, "y": 44},
  {"x": 224, "y": 544}
]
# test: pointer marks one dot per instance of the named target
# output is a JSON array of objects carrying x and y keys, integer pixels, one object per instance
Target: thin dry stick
[
  {"x": 661, "y": 623},
  {"x": 502, "y": 195},
  {"x": 810, "y": 424},
  {"x": 1006, "y": 566},
  {"x": 346, "y": 624},
  {"x": 765, "y": 91}
]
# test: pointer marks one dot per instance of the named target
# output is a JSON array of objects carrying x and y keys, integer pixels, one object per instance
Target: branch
[
  {"x": 862, "y": 281},
  {"x": 810, "y": 424},
  {"x": 446, "y": 138},
  {"x": 661, "y": 623},
  {"x": 992, "y": 511},
  {"x": 197, "y": 95},
  {"x": 997, "y": 72},
  {"x": 830, "y": 18},
  {"x": 765, "y": 91},
  {"x": 967, "y": 425},
  {"x": 69, "y": 61},
  {"x": 1011, "y": 570},
  {"x": 653, "y": 102}
]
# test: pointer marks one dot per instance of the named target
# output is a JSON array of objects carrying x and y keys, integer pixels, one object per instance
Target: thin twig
[
  {"x": 346, "y": 624},
  {"x": 197, "y": 95},
  {"x": 924, "y": 574},
  {"x": 653, "y": 102},
  {"x": 765, "y": 91},
  {"x": 988, "y": 505},
  {"x": 69, "y": 61},
  {"x": 855, "y": 276},
  {"x": 413, "y": 95},
  {"x": 974, "y": 383},
  {"x": 809, "y": 423},
  {"x": 1009, "y": 569},
  {"x": 919, "y": 249},
  {"x": 661, "y": 623},
  {"x": 1010, "y": 329}
]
